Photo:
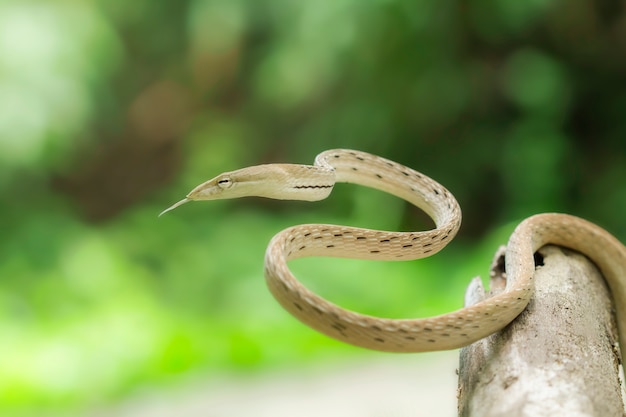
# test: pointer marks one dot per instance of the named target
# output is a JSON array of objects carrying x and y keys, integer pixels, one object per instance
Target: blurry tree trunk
[{"x": 558, "y": 358}]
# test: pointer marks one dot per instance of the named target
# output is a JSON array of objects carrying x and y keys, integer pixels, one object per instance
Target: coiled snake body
[{"x": 447, "y": 331}]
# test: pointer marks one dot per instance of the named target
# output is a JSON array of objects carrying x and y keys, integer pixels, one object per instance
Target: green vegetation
[{"x": 110, "y": 111}]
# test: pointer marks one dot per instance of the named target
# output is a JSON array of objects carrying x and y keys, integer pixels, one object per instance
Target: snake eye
[{"x": 224, "y": 182}]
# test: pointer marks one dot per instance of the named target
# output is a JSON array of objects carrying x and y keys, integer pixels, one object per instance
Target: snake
[{"x": 442, "y": 332}]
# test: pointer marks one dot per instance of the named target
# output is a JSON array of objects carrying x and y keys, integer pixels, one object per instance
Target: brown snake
[{"x": 447, "y": 331}]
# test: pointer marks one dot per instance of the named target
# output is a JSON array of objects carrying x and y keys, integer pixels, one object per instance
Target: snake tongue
[{"x": 180, "y": 203}]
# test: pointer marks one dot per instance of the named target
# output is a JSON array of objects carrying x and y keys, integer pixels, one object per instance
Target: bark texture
[{"x": 558, "y": 358}]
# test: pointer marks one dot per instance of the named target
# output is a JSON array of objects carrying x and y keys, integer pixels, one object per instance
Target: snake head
[
  {"x": 278, "y": 181},
  {"x": 226, "y": 185}
]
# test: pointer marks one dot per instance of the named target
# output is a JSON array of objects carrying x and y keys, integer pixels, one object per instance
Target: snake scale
[{"x": 447, "y": 331}]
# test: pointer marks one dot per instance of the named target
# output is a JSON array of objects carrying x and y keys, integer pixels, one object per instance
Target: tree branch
[{"x": 559, "y": 357}]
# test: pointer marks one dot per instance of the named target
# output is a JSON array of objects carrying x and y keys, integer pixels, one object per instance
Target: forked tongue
[{"x": 180, "y": 203}]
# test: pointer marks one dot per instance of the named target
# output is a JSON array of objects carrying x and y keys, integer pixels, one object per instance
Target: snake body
[{"x": 447, "y": 331}]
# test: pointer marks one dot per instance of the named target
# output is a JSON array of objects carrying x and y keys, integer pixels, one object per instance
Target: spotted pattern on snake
[{"x": 446, "y": 331}]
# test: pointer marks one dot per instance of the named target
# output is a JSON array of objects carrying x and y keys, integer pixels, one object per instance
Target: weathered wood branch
[{"x": 558, "y": 358}]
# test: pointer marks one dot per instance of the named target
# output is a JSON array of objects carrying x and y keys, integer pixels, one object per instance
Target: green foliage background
[{"x": 112, "y": 110}]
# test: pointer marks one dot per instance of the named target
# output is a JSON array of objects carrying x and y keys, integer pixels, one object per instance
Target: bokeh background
[{"x": 112, "y": 110}]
